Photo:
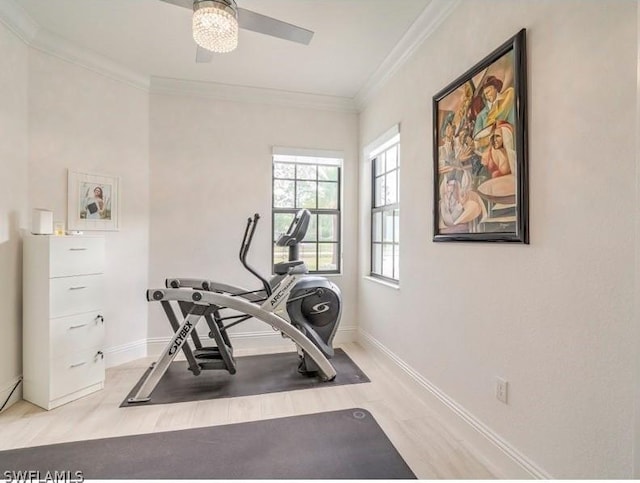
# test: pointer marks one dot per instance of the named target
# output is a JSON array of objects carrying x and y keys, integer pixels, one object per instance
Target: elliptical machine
[
  {"x": 304, "y": 308},
  {"x": 314, "y": 305}
]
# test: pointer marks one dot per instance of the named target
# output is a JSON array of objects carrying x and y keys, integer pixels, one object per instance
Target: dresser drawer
[
  {"x": 76, "y": 333},
  {"x": 71, "y": 255},
  {"x": 75, "y": 295},
  {"x": 75, "y": 371}
]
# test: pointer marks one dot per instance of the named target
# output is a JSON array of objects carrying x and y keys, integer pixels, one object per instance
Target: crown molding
[
  {"x": 427, "y": 23},
  {"x": 226, "y": 92},
  {"x": 31, "y": 33},
  {"x": 56, "y": 46},
  {"x": 13, "y": 16},
  {"x": 17, "y": 21}
]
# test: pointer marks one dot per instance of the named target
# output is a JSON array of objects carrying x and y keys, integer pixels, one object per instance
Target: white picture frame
[{"x": 92, "y": 202}]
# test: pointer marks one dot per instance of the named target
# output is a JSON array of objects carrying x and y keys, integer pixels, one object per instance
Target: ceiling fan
[{"x": 216, "y": 23}]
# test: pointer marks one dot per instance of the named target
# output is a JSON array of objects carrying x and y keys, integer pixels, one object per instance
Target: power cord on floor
[{"x": 11, "y": 393}]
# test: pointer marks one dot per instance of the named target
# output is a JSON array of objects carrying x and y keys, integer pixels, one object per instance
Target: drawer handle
[
  {"x": 99, "y": 354},
  {"x": 77, "y": 326},
  {"x": 78, "y": 288},
  {"x": 99, "y": 318},
  {"x": 77, "y": 249},
  {"x": 77, "y": 365}
]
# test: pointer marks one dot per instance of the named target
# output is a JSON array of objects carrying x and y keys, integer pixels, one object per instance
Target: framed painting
[
  {"x": 92, "y": 202},
  {"x": 480, "y": 151}
]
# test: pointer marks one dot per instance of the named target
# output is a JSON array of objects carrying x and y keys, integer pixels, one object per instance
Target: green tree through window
[{"x": 312, "y": 183}]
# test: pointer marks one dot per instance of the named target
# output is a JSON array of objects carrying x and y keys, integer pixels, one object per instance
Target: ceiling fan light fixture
[{"x": 215, "y": 25}]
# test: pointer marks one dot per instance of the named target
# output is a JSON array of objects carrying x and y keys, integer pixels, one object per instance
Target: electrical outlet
[{"x": 502, "y": 389}]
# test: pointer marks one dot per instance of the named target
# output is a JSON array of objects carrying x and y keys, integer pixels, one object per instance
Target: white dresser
[{"x": 63, "y": 330}]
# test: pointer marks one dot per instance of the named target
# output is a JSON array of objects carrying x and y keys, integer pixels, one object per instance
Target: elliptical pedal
[
  {"x": 212, "y": 358},
  {"x": 207, "y": 353}
]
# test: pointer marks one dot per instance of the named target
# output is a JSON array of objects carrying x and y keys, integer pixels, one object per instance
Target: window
[
  {"x": 312, "y": 182},
  {"x": 385, "y": 208}
]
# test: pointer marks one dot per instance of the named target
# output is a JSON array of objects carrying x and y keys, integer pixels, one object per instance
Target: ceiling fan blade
[
  {"x": 203, "y": 55},
  {"x": 181, "y": 3},
  {"x": 270, "y": 26}
]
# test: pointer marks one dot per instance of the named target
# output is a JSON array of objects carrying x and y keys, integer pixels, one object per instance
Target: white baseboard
[
  {"x": 126, "y": 353},
  {"x": 498, "y": 455},
  {"x": 346, "y": 334},
  {"x": 259, "y": 341},
  {"x": 6, "y": 389}
]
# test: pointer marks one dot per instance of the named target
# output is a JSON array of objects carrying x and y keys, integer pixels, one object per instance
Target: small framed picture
[
  {"x": 92, "y": 202},
  {"x": 480, "y": 151}
]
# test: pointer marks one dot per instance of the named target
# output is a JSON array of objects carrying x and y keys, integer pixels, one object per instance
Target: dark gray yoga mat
[
  {"x": 261, "y": 374},
  {"x": 345, "y": 444}
]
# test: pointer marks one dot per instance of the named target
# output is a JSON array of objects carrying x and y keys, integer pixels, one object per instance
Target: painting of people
[{"x": 480, "y": 151}]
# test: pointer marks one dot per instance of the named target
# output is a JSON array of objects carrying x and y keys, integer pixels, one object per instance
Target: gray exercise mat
[
  {"x": 261, "y": 374},
  {"x": 345, "y": 444}
]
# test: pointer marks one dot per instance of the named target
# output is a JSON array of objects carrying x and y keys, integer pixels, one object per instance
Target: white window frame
[{"x": 375, "y": 153}]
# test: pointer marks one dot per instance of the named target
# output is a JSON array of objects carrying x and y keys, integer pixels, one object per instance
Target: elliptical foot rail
[{"x": 202, "y": 300}]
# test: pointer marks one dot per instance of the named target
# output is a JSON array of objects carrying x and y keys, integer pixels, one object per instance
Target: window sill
[
  {"x": 382, "y": 282},
  {"x": 317, "y": 274}
]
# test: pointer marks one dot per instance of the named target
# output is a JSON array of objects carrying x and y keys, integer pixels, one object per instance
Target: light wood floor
[{"x": 426, "y": 445}]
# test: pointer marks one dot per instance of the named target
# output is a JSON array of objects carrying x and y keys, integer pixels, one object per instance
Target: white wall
[
  {"x": 211, "y": 170},
  {"x": 636, "y": 338},
  {"x": 555, "y": 318},
  {"x": 82, "y": 120},
  {"x": 13, "y": 203}
]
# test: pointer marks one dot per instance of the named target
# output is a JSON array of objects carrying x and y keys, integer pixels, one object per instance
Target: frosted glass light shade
[{"x": 215, "y": 28}]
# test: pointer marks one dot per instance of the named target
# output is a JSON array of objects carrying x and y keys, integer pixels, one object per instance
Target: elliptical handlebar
[
  {"x": 249, "y": 231},
  {"x": 246, "y": 239}
]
